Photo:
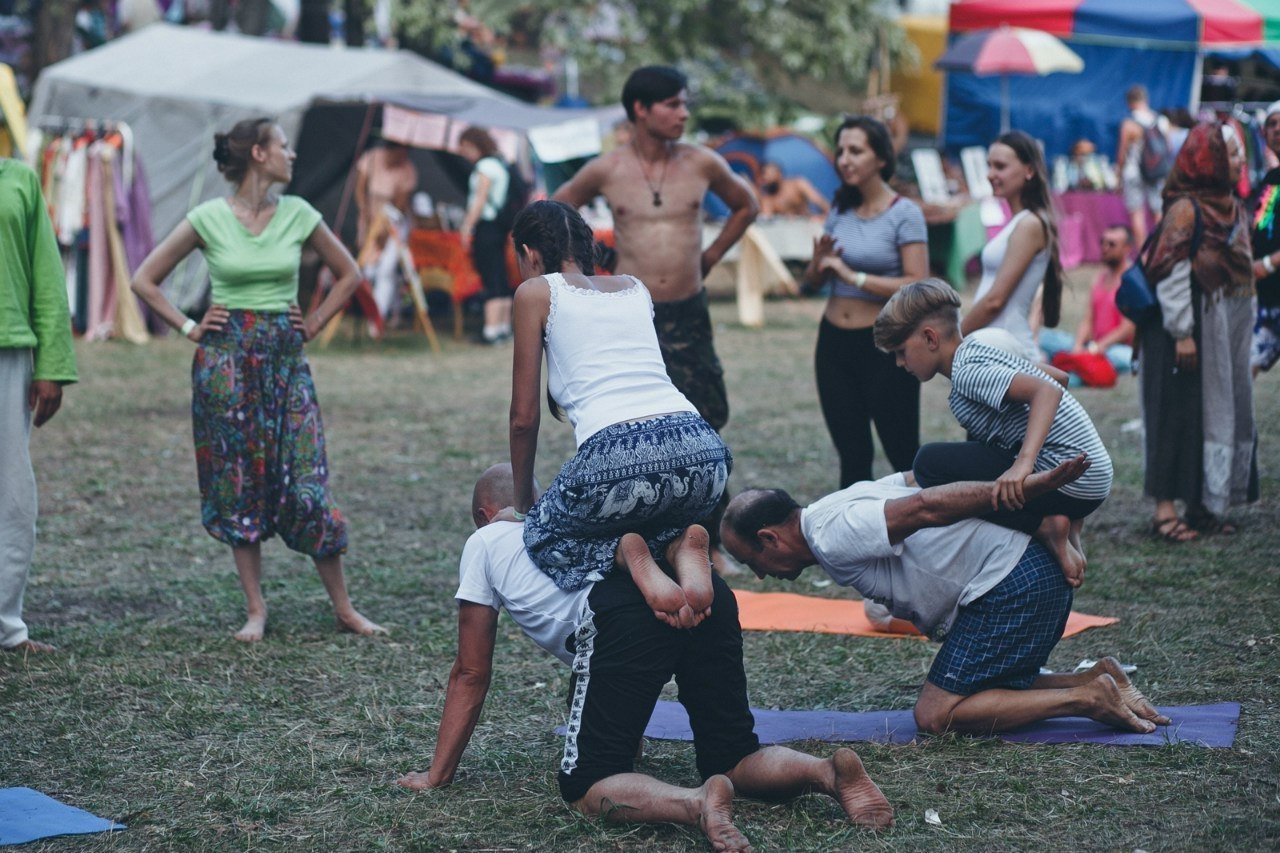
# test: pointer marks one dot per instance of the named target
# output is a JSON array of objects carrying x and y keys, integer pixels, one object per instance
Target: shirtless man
[
  {"x": 782, "y": 196},
  {"x": 622, "y": 657},
  {"x": 386, "y": 180},
  {"x": 655, "y": 186}
]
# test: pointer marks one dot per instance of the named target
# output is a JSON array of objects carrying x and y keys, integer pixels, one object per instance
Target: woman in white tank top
[
  {"x": 648, "y": 468},
  {"x": 1024, "y": 255}
]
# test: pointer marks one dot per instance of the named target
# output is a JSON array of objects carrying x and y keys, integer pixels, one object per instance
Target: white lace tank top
[{"x": 603, "y": 361}]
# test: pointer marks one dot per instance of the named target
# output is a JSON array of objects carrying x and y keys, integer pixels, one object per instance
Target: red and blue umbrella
[{"x": 1009, "y": 50}]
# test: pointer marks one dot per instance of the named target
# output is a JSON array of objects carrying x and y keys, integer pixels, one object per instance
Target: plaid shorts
[{"x": 1003, "y": 638}]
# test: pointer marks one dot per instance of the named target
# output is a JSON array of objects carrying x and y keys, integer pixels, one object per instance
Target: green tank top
[{"x": 254, "y": 273}]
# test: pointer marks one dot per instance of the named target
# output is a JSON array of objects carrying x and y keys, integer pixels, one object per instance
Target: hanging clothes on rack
[{"x": 98, "y": 200}]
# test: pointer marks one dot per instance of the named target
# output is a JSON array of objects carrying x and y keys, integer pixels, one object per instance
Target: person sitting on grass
[
  {"x": 621, "y": 658},
  {"x": 1022, "y": 418},
  {"x": 648, "y": 468},
  {"x": 995, "y": 597}
]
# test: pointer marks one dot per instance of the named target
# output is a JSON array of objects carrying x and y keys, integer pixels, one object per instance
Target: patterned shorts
[
  {"x": 1266, "y": 338},
  {"x": 1004, "y": 637},
  {"x": 653, "y": 477},
  {"x": 259, "y": 440}
]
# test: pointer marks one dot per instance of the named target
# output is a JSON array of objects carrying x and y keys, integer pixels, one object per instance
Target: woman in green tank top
[{"x": 259, "y": 439}]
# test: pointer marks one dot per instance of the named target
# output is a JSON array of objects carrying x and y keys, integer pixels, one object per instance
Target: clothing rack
[{"x": 65, "y": 123}]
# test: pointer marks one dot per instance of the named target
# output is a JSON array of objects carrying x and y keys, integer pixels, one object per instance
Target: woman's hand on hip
[{"x": 214, "y": 320}]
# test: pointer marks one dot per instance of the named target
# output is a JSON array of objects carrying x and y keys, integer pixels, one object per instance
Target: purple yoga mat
[{"x": 1198, "y": 725}]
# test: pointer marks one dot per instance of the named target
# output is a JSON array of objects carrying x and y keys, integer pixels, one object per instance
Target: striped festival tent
[{"x": 1158, "y": 43}]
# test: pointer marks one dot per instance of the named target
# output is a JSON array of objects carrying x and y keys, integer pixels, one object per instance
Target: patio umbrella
[{"x": 1009, "y": 50}]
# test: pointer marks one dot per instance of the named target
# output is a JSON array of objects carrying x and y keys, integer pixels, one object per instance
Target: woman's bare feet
[
  {"x": 715, "y": 816},
  {"x": 1107, "y": 705},
  {"x": 1054, "y": 534},
  {"x": 690, "y": 556},
  {"x": 416, "y": 781},
  {"x": 254, "y": 627},
  {"x": 351, "y": 620},
  {"x": 30, "y": 645},
  {"x": 1132, "y": 696},
  {"x": 660, "y": 592},
  {"x": 862, "y": 800}
]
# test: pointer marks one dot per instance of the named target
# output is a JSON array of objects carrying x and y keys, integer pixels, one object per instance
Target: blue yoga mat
[
  {"x": 27, "y": 815},
  {"x": 1198, "y": 725}
]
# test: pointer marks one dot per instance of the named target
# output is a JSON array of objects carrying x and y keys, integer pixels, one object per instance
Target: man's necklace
[{"x": 662, "y": 179}]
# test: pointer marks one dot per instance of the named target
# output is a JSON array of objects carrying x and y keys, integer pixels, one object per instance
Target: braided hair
[{"x": 558, "y": 232}]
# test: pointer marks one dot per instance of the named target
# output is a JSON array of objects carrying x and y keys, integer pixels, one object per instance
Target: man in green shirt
[{"x": 36, "y": 360}]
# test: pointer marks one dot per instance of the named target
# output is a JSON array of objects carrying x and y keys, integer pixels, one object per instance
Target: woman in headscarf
[{"x": 1197, "y": 398}]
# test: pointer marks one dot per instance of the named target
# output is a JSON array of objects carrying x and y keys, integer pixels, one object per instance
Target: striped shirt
[
  {"x": 874, "y": 246},
  {"x": 980, "y": 378}
]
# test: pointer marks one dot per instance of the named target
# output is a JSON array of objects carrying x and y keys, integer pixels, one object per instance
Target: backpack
[
  {"x": 1156, "y": 159},
  {"x": 1136, "y": 297},
  {"x": 517, "y": 197}
]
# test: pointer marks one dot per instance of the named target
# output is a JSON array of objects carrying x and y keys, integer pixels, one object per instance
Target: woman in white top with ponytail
[
  {"x": 648, "y": 468},
  {"x": 1024, "y": 254}
]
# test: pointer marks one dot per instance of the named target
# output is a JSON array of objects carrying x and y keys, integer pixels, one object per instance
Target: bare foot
[
  {"x": 1108, "y": 706},
  {"x": 253, "y": 629},
  {"x": 662, "y": 594},
  {"x": 715, "y": 817},
  {"x": 357, "y": 624},
  {"x": 861, "y": 799},
  {"x": 1054, "y": 534},
  {"x": 31, "y": 646},
  {"x": 692, "y": 562},
  {"x": 415, "y": 781},
  {"x": 1132, "y": 696}
]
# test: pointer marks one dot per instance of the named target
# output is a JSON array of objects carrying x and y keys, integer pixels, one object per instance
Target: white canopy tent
[{"x": 175, "y": 86}]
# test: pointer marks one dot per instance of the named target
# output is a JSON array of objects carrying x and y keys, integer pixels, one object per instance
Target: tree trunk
[
  {"x": 313, "y": 22},
  {"x": 356, "y": 11},
  {"x": 54, "y": 27}
]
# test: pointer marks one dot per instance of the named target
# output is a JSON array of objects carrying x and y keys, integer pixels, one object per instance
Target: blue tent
[{"x": 795, "y": 154}]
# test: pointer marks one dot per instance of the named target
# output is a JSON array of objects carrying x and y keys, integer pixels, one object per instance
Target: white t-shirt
[
  {"x": 496, "y": 571},
  {"x": 496, "y": 171},
  {"x": 925, "y": 578}
]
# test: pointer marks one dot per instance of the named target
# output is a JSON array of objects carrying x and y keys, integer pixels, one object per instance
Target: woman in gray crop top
[{"x": 873, "y": 243}]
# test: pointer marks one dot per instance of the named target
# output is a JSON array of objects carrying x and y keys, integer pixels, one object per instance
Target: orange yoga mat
[{"x": 786, "y": 611}]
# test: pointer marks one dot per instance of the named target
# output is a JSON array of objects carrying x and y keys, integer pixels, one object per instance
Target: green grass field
[{"x": 151, "y": 714}]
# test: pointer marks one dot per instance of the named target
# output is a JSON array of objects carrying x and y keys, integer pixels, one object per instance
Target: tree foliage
[{"x": 737, "y": 51}]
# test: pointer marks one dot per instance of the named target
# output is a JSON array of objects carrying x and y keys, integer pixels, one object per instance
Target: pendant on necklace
[{"x": 657, "y": 199}]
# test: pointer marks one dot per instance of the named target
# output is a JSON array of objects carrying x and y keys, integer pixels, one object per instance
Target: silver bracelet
[{"x": 1268, "y": 265}]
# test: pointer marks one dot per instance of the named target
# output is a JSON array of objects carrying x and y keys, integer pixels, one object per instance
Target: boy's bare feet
[
  {"x": 1131, "y": 695},
  {"x": 689, "y": 556},
  {"x": 862, "y": 800},
  {"x": 1054, "y": 534},
  {"x": 254, "y": 627},
  {"x": 660, "y": 592},
  {"x": 1106, "y": 705},
  {"x": 715, "y": 818},
  {"x": 357, "y": 624},
  {"x": 30, "y": 645}
]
